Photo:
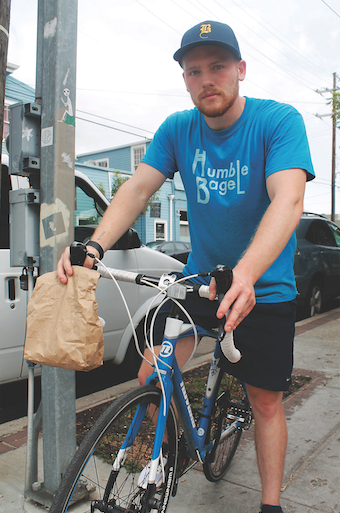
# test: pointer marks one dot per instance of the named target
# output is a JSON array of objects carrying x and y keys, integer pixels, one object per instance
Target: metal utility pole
[
  {"x": 56, "y": 92},
  {"x": 334, "y": 126},
  {"x": 333, "y": 152},
  {"x": 4, "y": 30}
]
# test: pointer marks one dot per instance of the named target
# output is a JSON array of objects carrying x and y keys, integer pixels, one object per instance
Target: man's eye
[
  {"x": 194, "y": 72},
  {"x": 218, "y": 66}
]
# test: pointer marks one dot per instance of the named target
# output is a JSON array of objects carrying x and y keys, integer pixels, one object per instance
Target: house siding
[{"x": 120, "y": 160}]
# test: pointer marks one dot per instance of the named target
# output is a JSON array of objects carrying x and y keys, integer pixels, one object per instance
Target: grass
[{"x": 195, "y": 383}]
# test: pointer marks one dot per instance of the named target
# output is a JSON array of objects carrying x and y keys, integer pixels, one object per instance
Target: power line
[
  {"x": 111, "y": 127},
  {"x": 113, "y": 121},
  {"x": 259, "y": 35},
  {"x": 293, "y": 76},
  {"x": 284, "y": 72},
  {"x": 278, "y": 32},
  {"x": 190, "y": 14},
  {"x": 155, "y": 15},
  {"x": 329, "y": 7},
  {"x": 132, "y": 92}
]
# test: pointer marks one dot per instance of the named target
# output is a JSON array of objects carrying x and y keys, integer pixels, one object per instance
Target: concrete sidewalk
[{"x": 312, "y": 471}]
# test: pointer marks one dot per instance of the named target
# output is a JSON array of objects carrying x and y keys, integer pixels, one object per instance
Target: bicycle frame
[{"x": 173, "y": 386}]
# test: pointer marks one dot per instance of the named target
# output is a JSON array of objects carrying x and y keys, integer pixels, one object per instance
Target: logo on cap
[{"x": 205, "y": 29}]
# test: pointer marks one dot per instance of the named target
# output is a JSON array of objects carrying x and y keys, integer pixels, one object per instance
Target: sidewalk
[{"x": 312, "y": 472}]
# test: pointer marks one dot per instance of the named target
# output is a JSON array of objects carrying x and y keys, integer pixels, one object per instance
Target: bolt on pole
[{"x": 56, "y": 90}]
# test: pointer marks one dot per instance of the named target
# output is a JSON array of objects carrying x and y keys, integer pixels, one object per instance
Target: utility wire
[
  {"x": 284, "y": 72},
  {"x": 293, "y": 75},
  {"x": 258, "y": 35},
  {"x": 112, "y": 127},
  {"x": 158, "y": 18},
  {"x": 132, "y": 92},
  {"x": 275, "y": 35},
  {"x": 329, "y": 7},
  {"x": 113, "y": 121},
  {"x": 188, "y": 12}
]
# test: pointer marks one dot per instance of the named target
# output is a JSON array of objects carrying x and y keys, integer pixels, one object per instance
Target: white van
[{"x": 128, "y": 253}]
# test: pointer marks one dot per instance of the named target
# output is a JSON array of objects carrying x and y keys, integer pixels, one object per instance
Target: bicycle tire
[
  {"x": 226, "y": 448},
  {"x": 89, "y": 472}
]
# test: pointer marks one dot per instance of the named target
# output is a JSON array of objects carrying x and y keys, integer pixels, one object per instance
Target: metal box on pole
[{"x": 24, "y": 227}]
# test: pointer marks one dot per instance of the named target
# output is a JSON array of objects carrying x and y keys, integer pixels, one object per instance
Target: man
[{"x": 244, "y": 165}]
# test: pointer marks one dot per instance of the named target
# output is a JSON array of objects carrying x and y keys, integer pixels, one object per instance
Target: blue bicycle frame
[{"x": 173, "y": 386}]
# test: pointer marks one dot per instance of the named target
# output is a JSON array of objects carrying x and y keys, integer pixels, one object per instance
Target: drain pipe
[{"x": 171, "y": 199}]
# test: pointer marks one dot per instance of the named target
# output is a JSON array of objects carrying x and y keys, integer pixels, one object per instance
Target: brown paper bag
[{"x": 63, "y": 328}]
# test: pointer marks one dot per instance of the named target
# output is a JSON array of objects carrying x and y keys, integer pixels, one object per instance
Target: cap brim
[{"x": 178, "y": 56}]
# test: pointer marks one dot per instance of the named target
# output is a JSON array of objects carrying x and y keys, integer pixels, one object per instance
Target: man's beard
[{"x": 223, "y": 107}]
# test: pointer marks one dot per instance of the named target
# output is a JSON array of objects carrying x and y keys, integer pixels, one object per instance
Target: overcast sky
[{"x": 126, "y": 73}]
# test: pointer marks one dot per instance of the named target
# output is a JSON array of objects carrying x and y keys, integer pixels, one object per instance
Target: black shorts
[{"x": 265, "y": 338}]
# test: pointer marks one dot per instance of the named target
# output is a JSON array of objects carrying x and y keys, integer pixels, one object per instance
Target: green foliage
[
  {"x": 118, "y": 180},
  {"x": 101, "y": 187},
  {"x": 335, "y": 103}
]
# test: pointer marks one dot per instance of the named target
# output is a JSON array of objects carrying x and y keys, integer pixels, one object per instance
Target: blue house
[{"x": 166, "y": 219}]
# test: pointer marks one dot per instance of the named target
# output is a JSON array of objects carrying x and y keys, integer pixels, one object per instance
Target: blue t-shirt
[{"x": 224, "y": 175}]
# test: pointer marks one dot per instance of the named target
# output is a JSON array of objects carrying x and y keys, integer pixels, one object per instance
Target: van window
[{"x": 87, "y": 215}]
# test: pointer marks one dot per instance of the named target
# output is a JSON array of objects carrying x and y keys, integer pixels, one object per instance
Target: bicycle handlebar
[{"x": 175, "y": 290}]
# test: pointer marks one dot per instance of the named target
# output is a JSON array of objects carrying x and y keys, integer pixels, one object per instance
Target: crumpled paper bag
[{"x": 63, "y": 328}]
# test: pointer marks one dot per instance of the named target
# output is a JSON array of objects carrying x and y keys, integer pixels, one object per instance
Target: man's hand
[
  {"x": 240, "y": 298},
  {"x": 64, "y": 267}
]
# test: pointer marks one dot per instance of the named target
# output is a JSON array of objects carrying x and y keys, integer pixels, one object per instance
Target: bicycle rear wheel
[
  {"x": 90, "y": 476},
  {"x": 227, "y": 413}
]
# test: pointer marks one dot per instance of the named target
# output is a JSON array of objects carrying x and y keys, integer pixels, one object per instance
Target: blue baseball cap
[{"x": 211, "y": 33}]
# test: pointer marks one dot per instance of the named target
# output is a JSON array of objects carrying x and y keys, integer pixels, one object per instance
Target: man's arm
[
  {"x": 123, "y": 210},
  {"x": 286, "y": 191}
]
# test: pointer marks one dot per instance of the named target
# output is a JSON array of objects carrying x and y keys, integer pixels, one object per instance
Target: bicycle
[{"x": 141, "y": 427}]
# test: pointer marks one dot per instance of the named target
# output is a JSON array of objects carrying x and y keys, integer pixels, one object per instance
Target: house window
[
  {"x": 183, "y": 216},
  {"x": 160, "y": 230},
  {"x": 137, "y": 153},
  {"x": 184, "y": 225},
  {"x": 155, "y": 210},
  {"x": 98, "y": 162},
  {"x": 101, "y": 162}
]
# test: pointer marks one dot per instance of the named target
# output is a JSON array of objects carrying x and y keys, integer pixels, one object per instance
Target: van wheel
[{"x": 314, "y": 299}]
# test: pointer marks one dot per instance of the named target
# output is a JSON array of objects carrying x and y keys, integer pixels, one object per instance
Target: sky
[{"x": 127, "y": 78}]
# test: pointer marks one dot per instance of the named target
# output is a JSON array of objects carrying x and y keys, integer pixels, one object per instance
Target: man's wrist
[{"x": 97, "y": 247}]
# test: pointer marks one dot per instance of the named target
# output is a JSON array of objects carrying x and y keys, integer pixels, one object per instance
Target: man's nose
[{"x": 207, "y": 80}]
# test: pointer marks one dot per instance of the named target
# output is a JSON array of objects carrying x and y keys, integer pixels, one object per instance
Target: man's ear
[{"x": 241, "y": 65}]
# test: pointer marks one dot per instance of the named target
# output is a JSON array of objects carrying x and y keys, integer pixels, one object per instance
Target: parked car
[
  {"x": 128, "y": 253},
  {"x": 317, "y": 262},
  {"x": 174, "y": 248}
]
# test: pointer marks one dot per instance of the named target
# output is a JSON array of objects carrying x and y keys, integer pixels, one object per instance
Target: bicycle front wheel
[
  {"x": 91, "y": 479},
  {"x": 215, "y": 468}
]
